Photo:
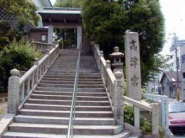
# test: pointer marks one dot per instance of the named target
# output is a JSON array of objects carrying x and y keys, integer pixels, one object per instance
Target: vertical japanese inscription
[
  {"x": 133, "y": 45},
  {"x": 134, "y": 61},
  {"x": 133, "y": 65}
]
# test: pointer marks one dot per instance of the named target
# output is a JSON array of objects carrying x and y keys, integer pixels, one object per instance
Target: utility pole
[{"x": 177, "y": 74}]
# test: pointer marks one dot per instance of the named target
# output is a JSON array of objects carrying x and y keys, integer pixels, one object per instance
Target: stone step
[
  {"x": 63, "y": 120},
  {"x": 99, "y": 94},
  {"x": 71, "y": 82},
  {"x": 68, "y": 102},
  {"x": 55, "y": 113},
  {"x": 71, "y": 85},
  {"x": 65, "y": 107},
  {"x": 53, "y": 73},
  {"x": 72, "y": 77},
  {"x": 60, "y": 66},
  {"x": 59, "y": 97},
  {"x": 70, "y": 89},
  {"x": 62, "y": 129},
  {"x": 124, "y": 134},
  {"x": 73, "y": 73}
]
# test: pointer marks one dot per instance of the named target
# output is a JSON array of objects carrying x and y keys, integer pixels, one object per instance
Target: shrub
[
  {"x": 129, "y": 118},
  {"x": 129, "y": 114},
  {"x": 20, "y": 55}
]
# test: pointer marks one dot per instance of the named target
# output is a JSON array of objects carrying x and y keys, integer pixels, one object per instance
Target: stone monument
[{"x": 133, "y": 70}]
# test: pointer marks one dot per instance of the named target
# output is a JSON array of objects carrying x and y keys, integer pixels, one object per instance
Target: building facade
[
  {"x": 176, "y": 64},
  {"x": 169, "y": 83}
]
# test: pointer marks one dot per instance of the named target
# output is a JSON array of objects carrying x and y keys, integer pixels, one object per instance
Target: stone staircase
[{"x": 46, "y": 113}]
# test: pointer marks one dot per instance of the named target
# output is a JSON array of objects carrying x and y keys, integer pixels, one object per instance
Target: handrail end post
[
  {"x": 13, "y": 91},
  {"x": 136, "y": 117},
  {"x": 118, "y": 93},
  {"x": 155, "y": 119}
]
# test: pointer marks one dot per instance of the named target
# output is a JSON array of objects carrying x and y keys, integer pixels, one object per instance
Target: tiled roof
[{"x": 171, "y": 75}]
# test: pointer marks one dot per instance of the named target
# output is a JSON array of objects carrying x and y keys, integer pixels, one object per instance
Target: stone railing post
[
  {"x": 97, "y": 49},
  {"x": 155, "y": 119},
  {"x": 37, "y": 71},
  {"x": 101, "y": 67},
  {"x": 164, "y": 102},
  {"x": 108, "y": 64},
  {"x": 101, "y": 53},
  {"x": 13, "y": 91},
  {"x": 118, "y": 101}
]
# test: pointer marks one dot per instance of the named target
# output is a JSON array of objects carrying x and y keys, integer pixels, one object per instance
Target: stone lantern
[{"x": 117, "y": 60}]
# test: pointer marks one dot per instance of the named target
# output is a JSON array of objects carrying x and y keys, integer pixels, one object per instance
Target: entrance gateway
[{"x": 64, "y": 18}]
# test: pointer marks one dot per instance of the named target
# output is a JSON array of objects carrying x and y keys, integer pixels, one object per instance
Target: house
[
  {"x": 177, "y": 61},
  {"x": 169, "y": 83},
  {"x": 153, "y": 86},
  {"x": 40, "y": 33}
]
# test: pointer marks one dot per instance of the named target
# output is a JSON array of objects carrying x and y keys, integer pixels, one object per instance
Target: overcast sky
[{"x": 174, "y": 14}]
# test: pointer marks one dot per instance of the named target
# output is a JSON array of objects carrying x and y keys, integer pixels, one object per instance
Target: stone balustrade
[
  {"x": 20, "y": 88},
  {"x": 114, "y": 85},
  {"x": 43, "y": 47},
  {"x": 154, "y": 108}
]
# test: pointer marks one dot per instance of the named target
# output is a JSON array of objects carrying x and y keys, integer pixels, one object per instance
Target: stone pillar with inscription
[{"x": 133, "y": 71}]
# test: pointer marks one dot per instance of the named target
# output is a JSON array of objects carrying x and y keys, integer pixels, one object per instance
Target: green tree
[
  {"x": 20, "y": 55},
  {"x": 107, "y": 25},
  {"x": 24, "y": 10},
  {"x": 70, "y": 3}
]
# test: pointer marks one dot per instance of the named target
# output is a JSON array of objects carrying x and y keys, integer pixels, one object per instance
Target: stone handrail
[
  {"x": 112, "y": 82},
  {"x": 153, "y": 108},
  {"x": 20, "y": 88},
  {"x": 105, "y": 69},
  {"x": 163, "y": 100},
  {"x": 43, "y": 47}
]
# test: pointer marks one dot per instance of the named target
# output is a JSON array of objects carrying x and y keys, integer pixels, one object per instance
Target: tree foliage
[
  {"x": 24, "y": 10},
  {"x": 106, "y": 22},
  {"x": 70, "y": 3},
  {"x": 18, "y": 55}
]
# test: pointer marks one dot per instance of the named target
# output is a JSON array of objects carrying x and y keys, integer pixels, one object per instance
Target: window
[
  {"x": 43, "y": 37},
  {"x": 183, "y": 75}
]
